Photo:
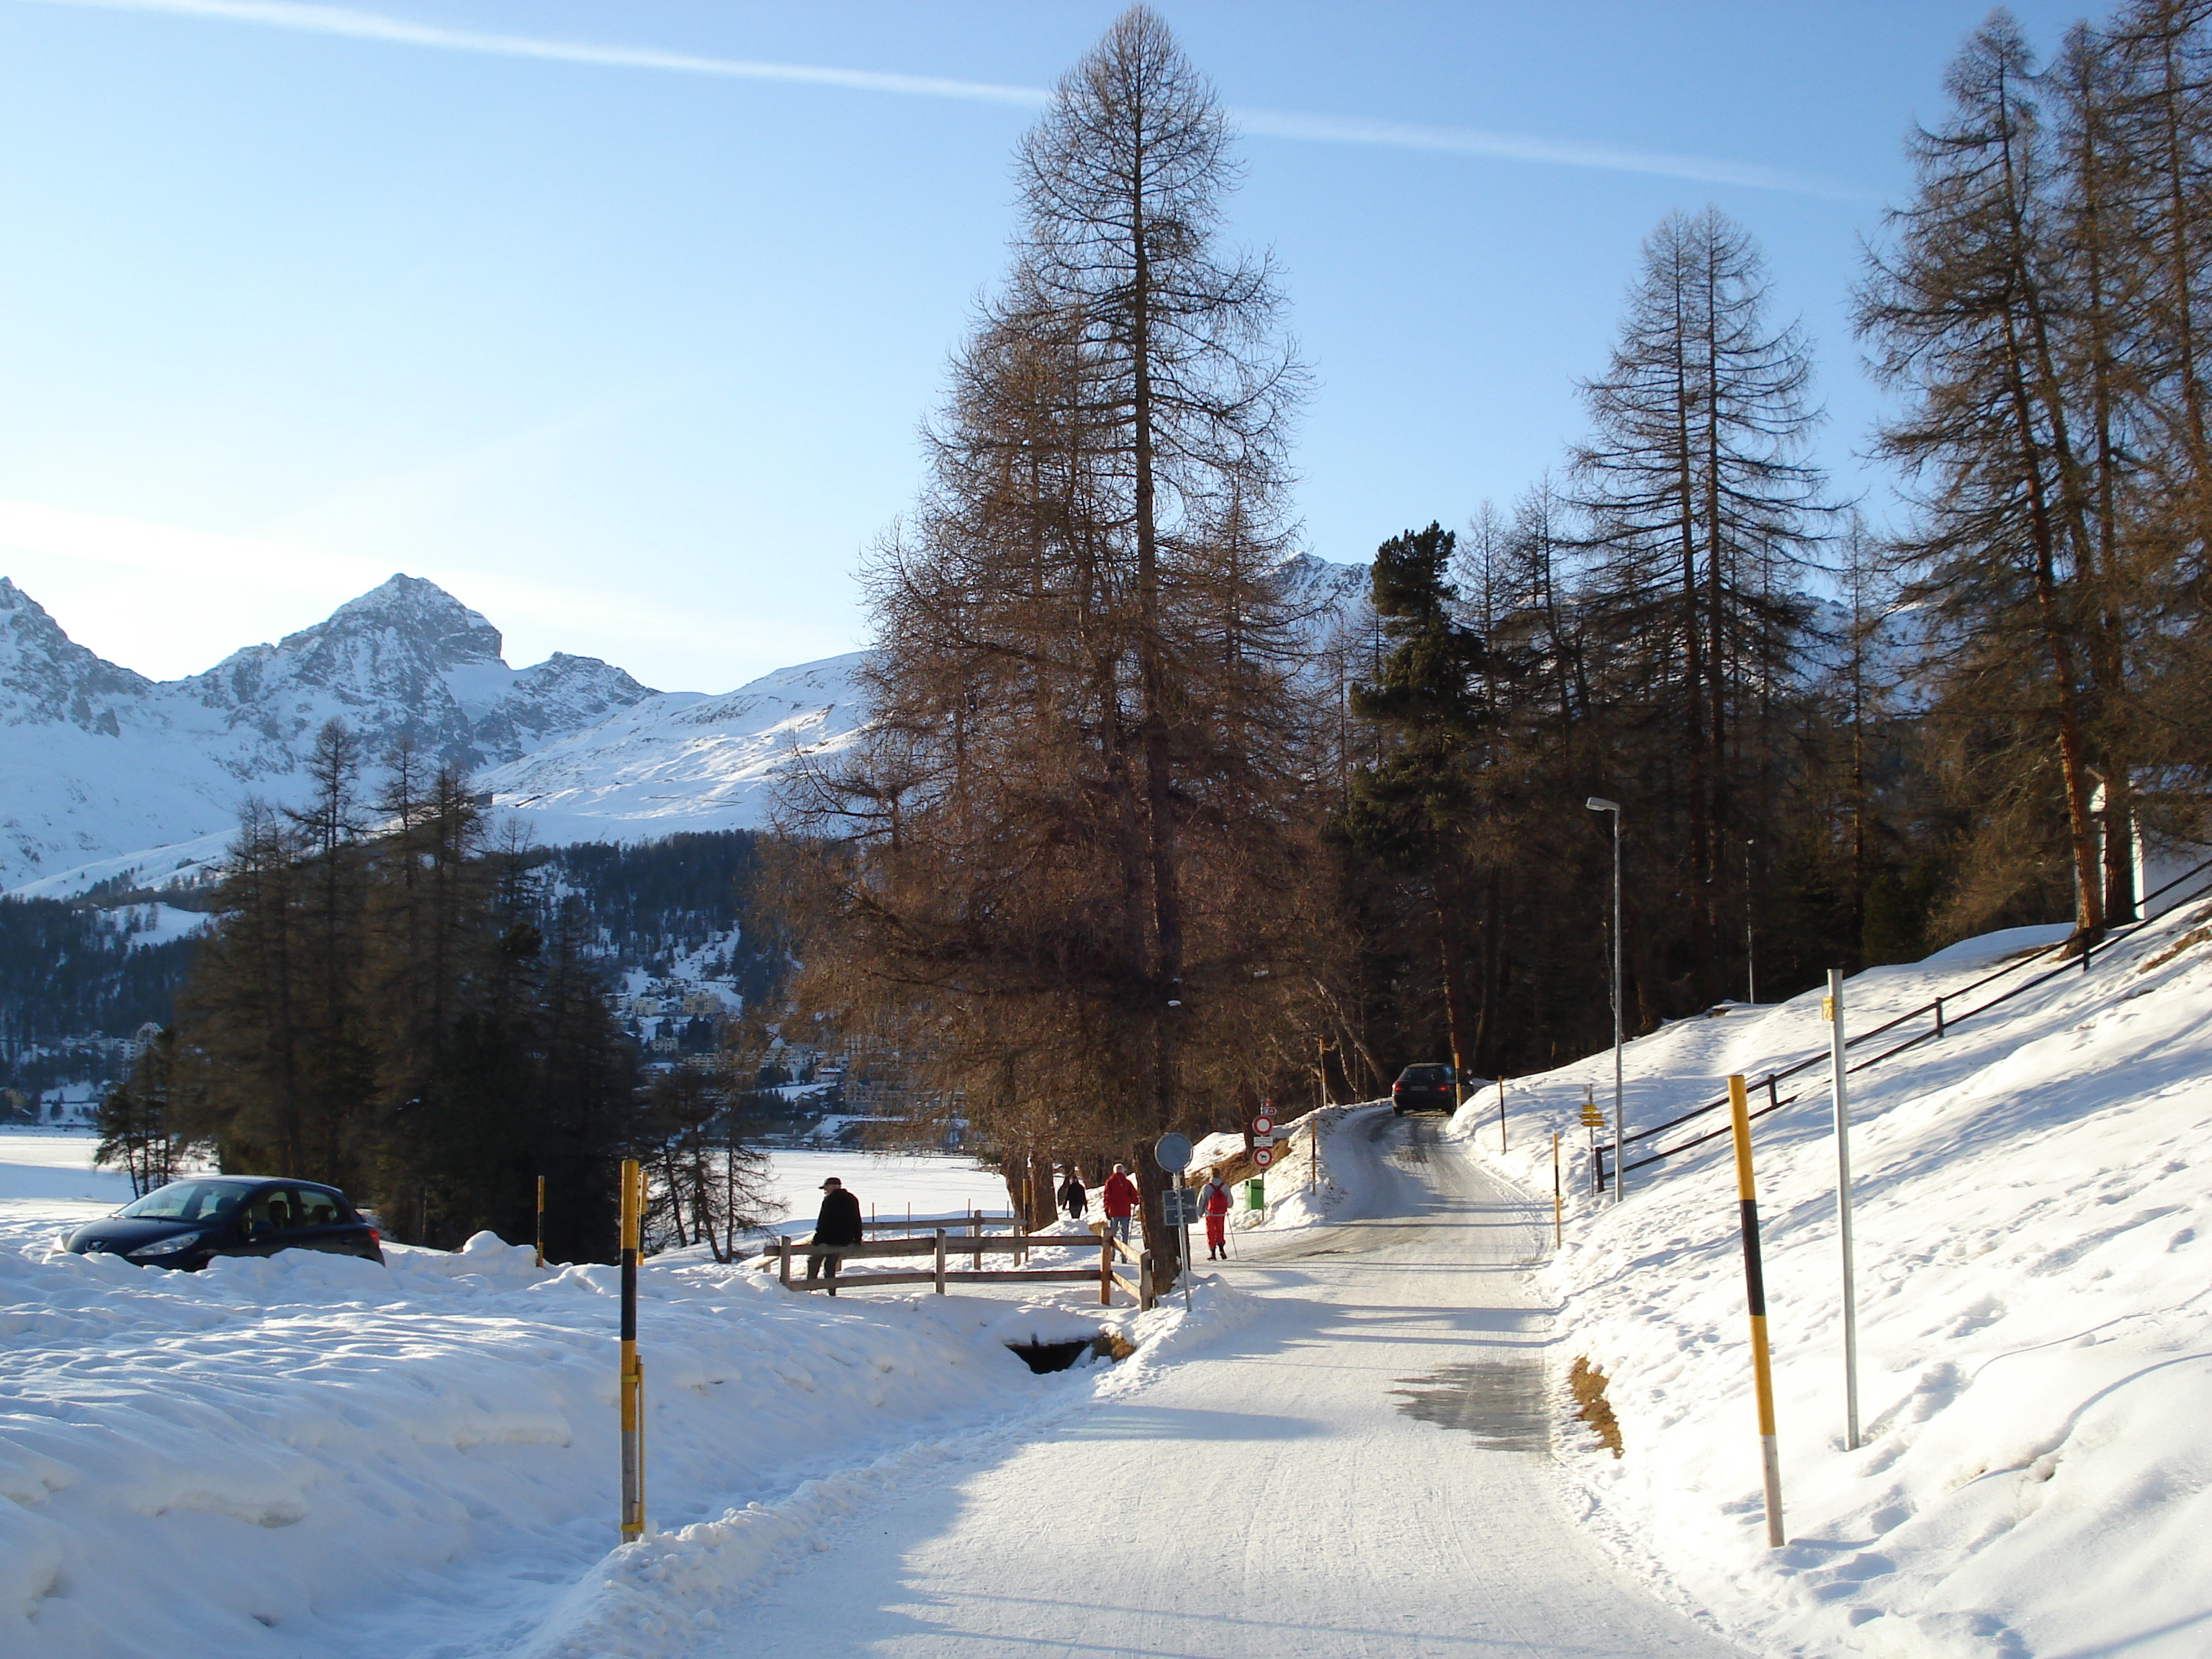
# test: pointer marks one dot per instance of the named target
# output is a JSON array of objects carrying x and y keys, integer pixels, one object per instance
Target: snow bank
[
  {"x": 1299, "y": 1192},
  {"x": 2035, "y": 1194},
  {"x": 315, "y": 1453}
]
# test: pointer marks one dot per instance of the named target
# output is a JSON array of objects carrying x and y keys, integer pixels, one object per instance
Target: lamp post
[
  {"x": 1750, "y": 960},
  {"x": 1600, "y": 804}
]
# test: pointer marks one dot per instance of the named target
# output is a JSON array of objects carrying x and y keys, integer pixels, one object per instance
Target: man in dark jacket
[
  {"x": 838, "y": 1223},
  {"x": 1073, "y": 1197}
]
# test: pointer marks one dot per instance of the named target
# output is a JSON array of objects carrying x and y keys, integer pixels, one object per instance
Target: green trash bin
[{"x": 1256, "y": 1194}]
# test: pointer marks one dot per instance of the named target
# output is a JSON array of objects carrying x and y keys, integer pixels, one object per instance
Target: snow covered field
[
  {"x": 2034, "y": 1198},
  {"x": 46, "y": 1180},
  {"x": 891, "y": 1184},
  {"x": 46, "y": 1177}
]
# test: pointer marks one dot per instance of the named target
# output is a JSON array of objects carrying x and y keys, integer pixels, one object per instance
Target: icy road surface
[{"x": 1286, "y": 1489}]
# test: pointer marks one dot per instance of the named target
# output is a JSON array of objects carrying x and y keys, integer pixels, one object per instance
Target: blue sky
[{"x": 595, "y": 314}]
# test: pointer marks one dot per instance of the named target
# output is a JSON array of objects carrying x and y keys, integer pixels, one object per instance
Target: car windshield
[{"x": 186, "y": 1201}]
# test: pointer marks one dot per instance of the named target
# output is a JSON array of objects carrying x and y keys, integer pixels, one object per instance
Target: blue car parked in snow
[{"x": 194, "y": 1220}]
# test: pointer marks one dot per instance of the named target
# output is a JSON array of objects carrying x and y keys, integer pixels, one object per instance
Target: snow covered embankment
[
  {"x": 1303, "y": 1185},
  {"x": 314, "y": 1452},
  {"x": 2035, "y": 1194}
]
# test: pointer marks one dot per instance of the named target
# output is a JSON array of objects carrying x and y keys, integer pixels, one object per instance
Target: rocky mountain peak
[
  {"x": 45, "y": 675},
  {"x": 441, "y": 631}
]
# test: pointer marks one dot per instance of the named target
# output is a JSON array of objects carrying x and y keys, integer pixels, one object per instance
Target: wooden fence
[{"x": 941, "y": 1243}]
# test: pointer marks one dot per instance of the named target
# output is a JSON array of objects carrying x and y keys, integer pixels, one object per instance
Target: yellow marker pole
[
  {"x": 1755, "y": 1287},
  {"x": 633, "y": 1470},
  {"x": 541, "y": 1221}
]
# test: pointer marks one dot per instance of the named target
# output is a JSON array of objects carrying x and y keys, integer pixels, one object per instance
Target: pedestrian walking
[
  {"x": 1213, "y": 1205},
  {"x": 839, "y": 1223},
  {"x": 1073, "y": 1197},
  {"x": 1120, "y": 1201}
]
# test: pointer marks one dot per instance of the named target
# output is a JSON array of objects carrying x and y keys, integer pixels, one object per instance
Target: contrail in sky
[{"x": 349, "y": 22}]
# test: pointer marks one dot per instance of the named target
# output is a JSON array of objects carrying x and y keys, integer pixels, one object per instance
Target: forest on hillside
[{"x": 1121, "y": 851}]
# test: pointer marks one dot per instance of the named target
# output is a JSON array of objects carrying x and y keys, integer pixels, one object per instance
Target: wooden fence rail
[{"x": 941, "y": 1241}]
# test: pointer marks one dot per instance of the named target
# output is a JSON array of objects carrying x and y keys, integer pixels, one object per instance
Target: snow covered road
[{"x": 1295, "y": 1468}]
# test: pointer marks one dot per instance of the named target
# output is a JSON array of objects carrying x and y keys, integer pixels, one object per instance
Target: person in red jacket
[
  {"x": 1119, "y": 1198},
  {"x": 1213, "y": 1205}
]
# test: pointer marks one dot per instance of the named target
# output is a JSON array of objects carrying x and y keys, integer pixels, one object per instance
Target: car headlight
[{"x": 167, "y": 1246}]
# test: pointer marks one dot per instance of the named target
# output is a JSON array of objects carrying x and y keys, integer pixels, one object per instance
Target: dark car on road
[
  {"x": 1424, "y": 1089},
  {"x": 197, "y": 1218}
]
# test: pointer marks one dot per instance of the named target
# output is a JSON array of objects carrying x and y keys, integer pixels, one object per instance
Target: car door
[
  {"x": 268, "y": 1221},
  {"x": 324, "y": 1224}
]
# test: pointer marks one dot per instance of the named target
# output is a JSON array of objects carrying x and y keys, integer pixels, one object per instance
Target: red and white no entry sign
[
  {"x": 1263, "y": 1156},
  {"x": 1262, "y": 1125}
]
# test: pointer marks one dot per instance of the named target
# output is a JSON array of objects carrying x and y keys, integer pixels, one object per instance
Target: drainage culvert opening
[{"x": 1042, "y": 1356}]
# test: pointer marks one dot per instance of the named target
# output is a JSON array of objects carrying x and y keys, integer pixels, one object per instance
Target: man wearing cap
[{"x": 838, "y": 1223}]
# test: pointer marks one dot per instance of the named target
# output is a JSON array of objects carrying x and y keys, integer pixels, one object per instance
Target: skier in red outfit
[{"x": 1213, "y": 1205}]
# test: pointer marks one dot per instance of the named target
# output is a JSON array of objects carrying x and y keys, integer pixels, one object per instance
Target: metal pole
[
  {"x": 541, "y": 1221},
  {"x": 1750, "y": 960},
  {"x": 1558, "y": 1198},
  {"x": 1184, "y": 1225},
  {"x": 1843, "y": 1100},
  {"x": 1620, "y": 1165},
  {"x": 1754, "y": 1280},
  {"x": 633, "y": 1474}
]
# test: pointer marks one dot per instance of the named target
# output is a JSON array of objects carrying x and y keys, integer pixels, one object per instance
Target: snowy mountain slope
[
  {"x": 97, "y": 762},
  {"x": 679, "y": 761},
  {"x": 2034, "y": 1198}
]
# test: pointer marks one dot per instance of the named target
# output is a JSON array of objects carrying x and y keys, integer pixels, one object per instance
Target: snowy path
[{"x": 1309, "y": 1512}]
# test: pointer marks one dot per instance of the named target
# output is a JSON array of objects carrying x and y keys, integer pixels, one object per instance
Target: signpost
[
  {"x": 1171, "y": 1152},
  {"x": 1262, "y": 1157},
  {"x": 1594, "y": 1120}
]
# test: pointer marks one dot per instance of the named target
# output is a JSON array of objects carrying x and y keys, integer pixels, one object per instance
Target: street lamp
[{"x": 1600, "y": 804}]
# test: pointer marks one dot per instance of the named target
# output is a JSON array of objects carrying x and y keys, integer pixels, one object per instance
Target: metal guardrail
[{"x": 1776, "y": 1101}]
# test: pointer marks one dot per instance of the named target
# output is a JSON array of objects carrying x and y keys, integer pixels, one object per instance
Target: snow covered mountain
[
  {"x": 98, "y": 763},
  {"x": 104, "y": 772},
  {"x": 679, "y": 761}
]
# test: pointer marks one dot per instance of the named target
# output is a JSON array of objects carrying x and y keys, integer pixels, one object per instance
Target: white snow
[
  {"x": 47, "y": 1180},
  {"x": 887, "y": 1184},
  {"x": 2033, "y": 1194},
  {"x": 316, "y": 1454}
]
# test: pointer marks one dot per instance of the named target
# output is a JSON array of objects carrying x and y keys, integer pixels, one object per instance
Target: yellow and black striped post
[
  {"x": 1755, "y": 1287},
  {"x": 633, "y": 1376},
  {"x": 541, "y": 1221}
]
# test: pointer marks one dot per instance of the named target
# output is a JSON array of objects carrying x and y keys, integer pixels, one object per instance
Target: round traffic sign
[
  {"x": 1263, "y": 1156},
  {"x": 1171, "y": 1152},
  {"x": 1262, "y": 1125}
]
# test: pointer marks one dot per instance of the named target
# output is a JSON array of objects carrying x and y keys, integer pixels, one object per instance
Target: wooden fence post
[
  {"x": 1106, "y": 1268},
  {"x": 940, "y": 1261},
  {"x": 783, "y": 1249},
  {"x": 975, "y": 1226}
]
